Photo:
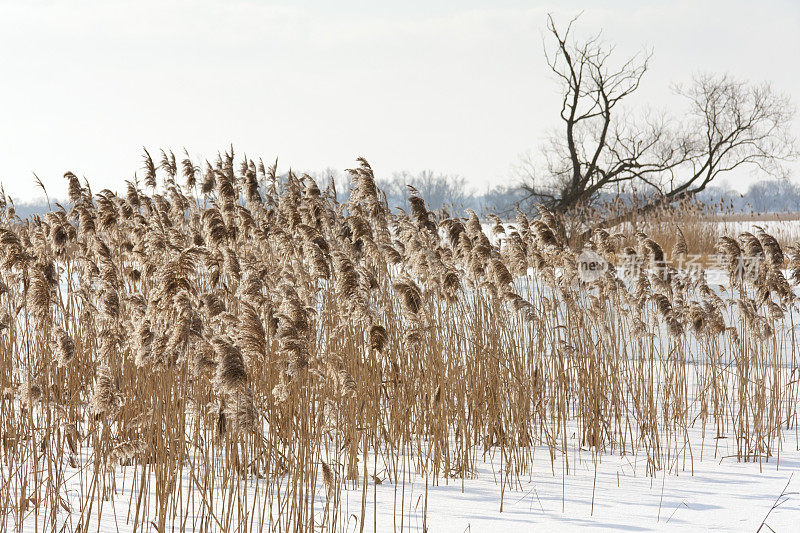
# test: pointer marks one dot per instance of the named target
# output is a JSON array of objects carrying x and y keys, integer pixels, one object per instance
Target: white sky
[{"x": 419, "y": 85}]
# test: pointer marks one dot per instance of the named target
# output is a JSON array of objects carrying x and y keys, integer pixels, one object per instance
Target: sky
[{"x": 459, "y": 88}]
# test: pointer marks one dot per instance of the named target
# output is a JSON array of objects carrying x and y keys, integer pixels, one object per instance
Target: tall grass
[{"x": 236, "y": 352}]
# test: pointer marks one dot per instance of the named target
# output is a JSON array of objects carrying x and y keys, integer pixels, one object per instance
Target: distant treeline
[{"x": 452, "y": 193}]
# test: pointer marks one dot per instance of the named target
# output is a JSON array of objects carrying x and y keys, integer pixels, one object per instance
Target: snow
[
  {"x": 786, "y": 231},
  {"x": 614, "y": 493},
  {"x": 720, "y": 494}
]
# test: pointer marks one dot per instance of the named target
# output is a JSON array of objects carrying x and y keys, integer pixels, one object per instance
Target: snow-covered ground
[
  {"x": 703, "y": 486},
  {"x": 702, "y": 489},
  {"x": 710, "y": 494},
  {"x": 786, "y": 231}
]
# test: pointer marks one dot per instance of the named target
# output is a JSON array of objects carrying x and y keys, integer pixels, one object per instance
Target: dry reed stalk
[{"x": 247, "y": 332}]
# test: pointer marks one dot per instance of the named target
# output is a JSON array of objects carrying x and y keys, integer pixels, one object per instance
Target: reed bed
[{"x": 221, "y": 349}]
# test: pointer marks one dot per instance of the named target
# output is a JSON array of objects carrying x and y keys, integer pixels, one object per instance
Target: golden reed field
[{"x": 224, "y": 349}]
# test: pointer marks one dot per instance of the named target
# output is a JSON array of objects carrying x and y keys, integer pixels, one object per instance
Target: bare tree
[
  {"x": 439, "y": 190},
  {"x": 733, "y": 124},
  {"x": 602, "y": 147}
]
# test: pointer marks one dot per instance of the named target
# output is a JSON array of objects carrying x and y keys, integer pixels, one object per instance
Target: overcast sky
[{"x": 455, "y": 87}]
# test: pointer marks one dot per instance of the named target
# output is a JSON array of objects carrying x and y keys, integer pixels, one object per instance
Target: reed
[{"x": 242, "y": 356}]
